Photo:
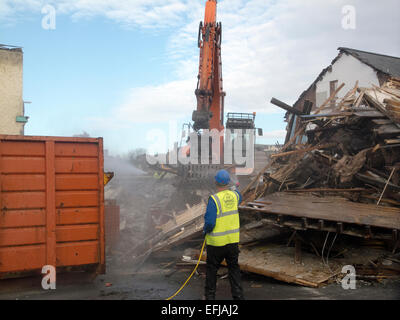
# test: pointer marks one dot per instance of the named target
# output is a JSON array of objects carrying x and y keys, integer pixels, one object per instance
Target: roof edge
[{"x": 374, "y": 53}]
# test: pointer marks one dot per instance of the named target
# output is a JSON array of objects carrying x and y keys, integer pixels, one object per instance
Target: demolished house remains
[{"x": 329, "y": 198}]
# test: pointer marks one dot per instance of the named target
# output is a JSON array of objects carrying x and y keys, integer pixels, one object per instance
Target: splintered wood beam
[
  {"x": 305, "y": 222},
  {"x": 328, "y": 115},
  {"x": 326, "y": 190},
  {"x": 379, "y": 106},
  {"x": 387, "y": 129},
  {"x": 297, "y": 244},
  {"x": 333, "y": 95},
  {"x": 339, "y": 227},
  {"x": 392, "y": 102},
  {"x": 324, "y": 146},
  {"x": 368, "y": 231},
  {"x": 384, "y": 189},
  {"x": 286, "y": 107},
  {"x": 267, "y": 176},
  {"x": 284, "y": 148},
  {"x": 392, "y": 141},
  {"x": 352, "y": 229}
]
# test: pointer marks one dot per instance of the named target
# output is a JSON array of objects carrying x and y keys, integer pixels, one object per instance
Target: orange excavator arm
[{"x": 209, "y": 92}]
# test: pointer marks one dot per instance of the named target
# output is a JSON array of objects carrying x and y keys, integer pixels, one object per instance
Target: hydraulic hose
[{"x": 194, "y": 270}]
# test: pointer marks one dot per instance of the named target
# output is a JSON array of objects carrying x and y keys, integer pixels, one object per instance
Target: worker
[{"x": 221, "y": 229}]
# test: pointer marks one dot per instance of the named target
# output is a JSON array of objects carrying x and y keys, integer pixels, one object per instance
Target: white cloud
[
  {"x": 162, "y": 103},
  {"x": 132, "y": 13},
  {"x": 270, "y": 48}
]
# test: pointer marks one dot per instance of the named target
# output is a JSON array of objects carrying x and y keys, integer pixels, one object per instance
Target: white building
[
  {"x": 348, "y": 67},
  {"x": 12, "y": 117}
]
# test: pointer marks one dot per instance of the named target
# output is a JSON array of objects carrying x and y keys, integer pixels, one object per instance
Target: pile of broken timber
[
  {"x": 182, "y": 226},
  {"x": 343, "y": 180},
  {"x": 351, "y": 153}
]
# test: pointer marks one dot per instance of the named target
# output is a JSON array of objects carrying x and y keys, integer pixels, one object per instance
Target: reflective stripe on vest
[
  {"x": 227, "y": 226},
  {"x": 218, "y": 234}
]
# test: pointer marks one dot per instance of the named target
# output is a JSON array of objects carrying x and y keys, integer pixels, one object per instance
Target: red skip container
[{"x": 51, "y": 203}]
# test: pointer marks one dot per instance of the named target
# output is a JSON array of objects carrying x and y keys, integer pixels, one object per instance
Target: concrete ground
[{"x": 156, "y": 280}]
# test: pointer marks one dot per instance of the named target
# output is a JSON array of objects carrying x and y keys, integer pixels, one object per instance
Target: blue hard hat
[{"x": 222, "y": 177}]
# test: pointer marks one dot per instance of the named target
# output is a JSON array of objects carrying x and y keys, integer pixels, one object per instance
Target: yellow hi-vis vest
[{"x": 227, "y": 224}]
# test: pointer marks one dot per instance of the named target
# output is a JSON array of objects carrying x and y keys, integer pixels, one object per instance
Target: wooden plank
[
  {"x": 325, "y": 190},
  {"x": 305, "y": 150},
  {"x": 349, "y": 98},
  {"x": 392, "y": 102},
  {"x": 387, "y": 129},
  {"x": 378, "y": 105},
  {"x": 284, "y": 148},
  {"x": 277, "y": 261},
  {"x": 369, "y": 114},
  {"x": 286, "y": 107},
  {"x": 382, "y": 121},
  {"x": 183, "y": 226},
  {"x": 376, "y": 180},
  {"x": 333, "y": 95},
  {"x": 193, "y": 230},
  {"x": 392, "y": 108},
  {"x": 359, "y": 99},
  {"x": 184, "y": 218},
  {"x": 328, "y": 115},
  {"x": 392, "y": 141},
  {"x": 298, "y": 253},
  {"x": 330, "y": 209}
]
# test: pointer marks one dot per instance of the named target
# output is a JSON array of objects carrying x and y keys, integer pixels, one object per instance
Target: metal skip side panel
[{"x": 51, "y": 203}]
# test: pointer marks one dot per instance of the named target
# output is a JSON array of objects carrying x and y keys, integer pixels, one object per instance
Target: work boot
[{"x": 209, "y": 297}]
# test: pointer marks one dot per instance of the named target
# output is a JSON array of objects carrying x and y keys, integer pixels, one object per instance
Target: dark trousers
[{"x": 215, "y": 256}]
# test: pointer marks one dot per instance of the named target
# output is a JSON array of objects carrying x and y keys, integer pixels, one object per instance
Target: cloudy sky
[{"x": 121, "y": 68}]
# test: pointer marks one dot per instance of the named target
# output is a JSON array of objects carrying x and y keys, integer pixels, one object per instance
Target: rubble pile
[
  {"x": 351, "y": 148},
  {"x": 337, "y": 177}
]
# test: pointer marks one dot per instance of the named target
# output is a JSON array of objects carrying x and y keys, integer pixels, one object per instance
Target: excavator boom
[{"x": 209, "y": 92}]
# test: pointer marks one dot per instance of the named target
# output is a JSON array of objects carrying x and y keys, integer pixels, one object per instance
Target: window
[{"x": 332, "y": 89}]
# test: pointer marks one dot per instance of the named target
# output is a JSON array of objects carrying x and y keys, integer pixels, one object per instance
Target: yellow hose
[{"x": 187, "y": 280}]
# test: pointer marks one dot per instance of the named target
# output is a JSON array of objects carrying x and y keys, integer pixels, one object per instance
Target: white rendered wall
[{"x": 347, "y": 70}]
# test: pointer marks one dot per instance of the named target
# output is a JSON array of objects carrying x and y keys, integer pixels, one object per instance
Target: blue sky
[{"x": 119, "y": 69}]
